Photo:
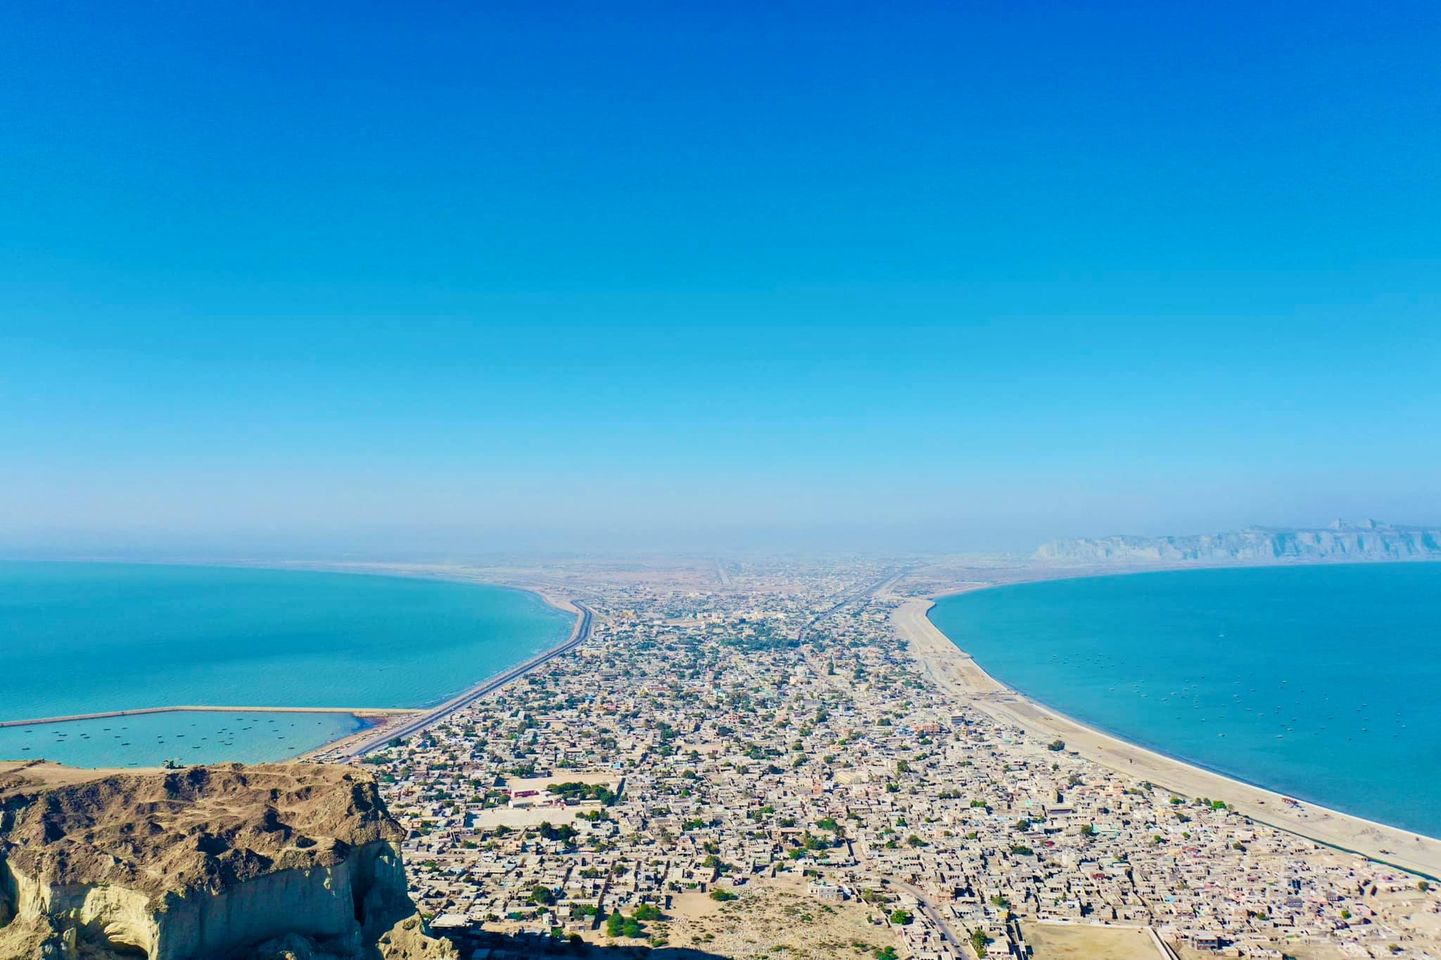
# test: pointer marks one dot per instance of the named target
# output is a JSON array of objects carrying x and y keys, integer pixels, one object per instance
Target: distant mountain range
[{"x": 1365, "y": 540}]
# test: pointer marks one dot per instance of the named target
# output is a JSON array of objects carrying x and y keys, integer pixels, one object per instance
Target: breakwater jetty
[{"x": 196, "y": 708}]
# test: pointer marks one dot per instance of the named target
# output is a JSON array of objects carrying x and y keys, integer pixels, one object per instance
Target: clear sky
[{"x": 474, "y": 276}]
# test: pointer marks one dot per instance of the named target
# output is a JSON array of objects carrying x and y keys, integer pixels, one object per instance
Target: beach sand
[{"x": 958, "y": 674}]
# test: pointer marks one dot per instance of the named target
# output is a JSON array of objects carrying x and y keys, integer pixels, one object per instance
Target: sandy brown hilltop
[
  {"x": 281, "y": 860},
  {"x": 201, "y": 828}
]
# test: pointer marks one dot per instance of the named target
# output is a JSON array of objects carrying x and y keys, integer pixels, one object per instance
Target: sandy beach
[{"x": 959, "y": 674}]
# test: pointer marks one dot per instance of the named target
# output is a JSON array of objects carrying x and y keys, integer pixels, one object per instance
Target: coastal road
[{"x": 431, "y": 717}]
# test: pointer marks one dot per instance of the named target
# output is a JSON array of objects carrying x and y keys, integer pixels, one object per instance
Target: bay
[
  {"x": 85, "y": 637},
  {"x": 1319, "y": 682}
]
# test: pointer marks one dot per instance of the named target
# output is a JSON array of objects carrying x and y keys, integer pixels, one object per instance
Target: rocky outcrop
[
  {"x": 1356, "y": 542},
  {"x": 292, "y": 861}
]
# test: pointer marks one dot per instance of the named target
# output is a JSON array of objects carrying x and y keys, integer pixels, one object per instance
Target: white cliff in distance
[{"x": 1367, "y": 540}]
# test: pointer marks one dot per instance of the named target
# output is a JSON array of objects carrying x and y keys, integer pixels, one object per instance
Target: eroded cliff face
[{"x": 288, "y": 861}]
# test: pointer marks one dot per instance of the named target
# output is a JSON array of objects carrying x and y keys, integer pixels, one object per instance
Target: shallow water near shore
[
  {"x": 86, "y": 637},
  {"x": 1321, "y": 682},
  {"x": 148, "y": 740}
]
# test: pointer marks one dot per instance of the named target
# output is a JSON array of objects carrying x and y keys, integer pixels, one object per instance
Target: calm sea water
[
  {"x": 1322, "y": 682},
  {"x": 78, "y": 638},
  {"x": 150, "y": 739}
]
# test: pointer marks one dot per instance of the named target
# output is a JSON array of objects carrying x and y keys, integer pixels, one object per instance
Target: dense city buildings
[{"x": 767, "y": 769}]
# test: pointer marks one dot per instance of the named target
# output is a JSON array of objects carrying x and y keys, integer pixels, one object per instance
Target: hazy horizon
[
  {"x": 282, "y": 284},
  {"x": 410, "y": 546}
]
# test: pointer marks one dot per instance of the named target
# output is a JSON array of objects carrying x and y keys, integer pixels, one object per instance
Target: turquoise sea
[
  {"x": 86, "y": 637},
  {"x": 1320, "y": 682}
]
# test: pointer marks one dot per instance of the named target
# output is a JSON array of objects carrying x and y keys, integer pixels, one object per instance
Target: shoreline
[
  {"x": 406, "y": 571},
  {"x": 399, "y": 571},
  {"x": 958, "y": 674},
  {"x": 376, "y": 720},
  {"x": 354, "y": 747}
]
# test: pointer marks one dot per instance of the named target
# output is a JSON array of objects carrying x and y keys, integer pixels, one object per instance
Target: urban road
[
  {"x": 431, "y": 717},
  {"x": 867, "y": 591}
]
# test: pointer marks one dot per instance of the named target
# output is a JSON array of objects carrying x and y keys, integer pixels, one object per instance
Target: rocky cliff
[
  {"x": 286, "y": 861},
  {"x": 1365, "y": 541}
]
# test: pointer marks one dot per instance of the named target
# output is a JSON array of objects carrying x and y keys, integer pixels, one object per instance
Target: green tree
[{"x": 564, "y": 833}]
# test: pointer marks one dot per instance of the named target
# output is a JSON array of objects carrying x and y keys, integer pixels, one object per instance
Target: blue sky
[{"x": 944, "y": 276}]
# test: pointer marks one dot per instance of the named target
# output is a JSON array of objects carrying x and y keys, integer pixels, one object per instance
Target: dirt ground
[
  {"x": 1054, "y": 941},
  {"x": 777, "y": 918},
  {"x": 544, "y": 809}
]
